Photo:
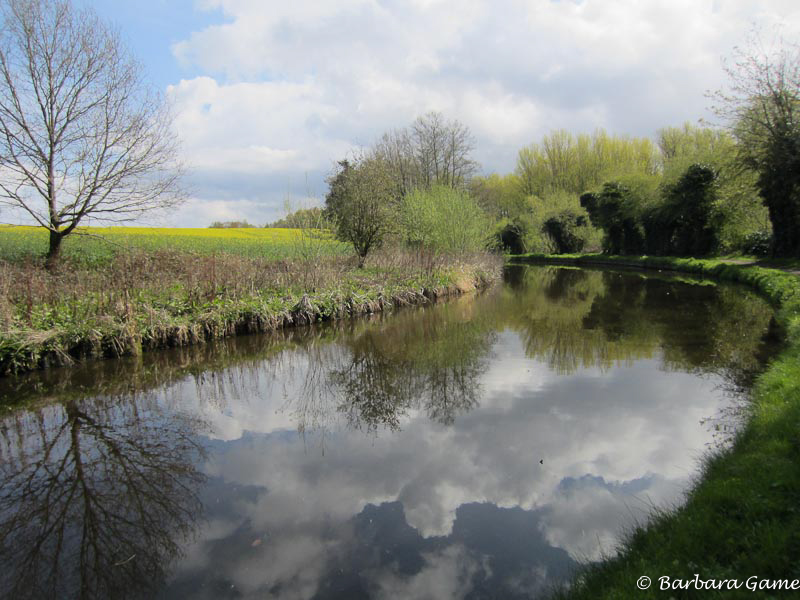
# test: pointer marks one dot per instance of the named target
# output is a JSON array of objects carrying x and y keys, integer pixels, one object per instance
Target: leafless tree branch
[{"x": 81, "y": 136}]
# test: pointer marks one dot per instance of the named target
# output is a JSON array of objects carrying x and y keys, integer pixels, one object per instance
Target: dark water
[{"x": 479, "y": 448}]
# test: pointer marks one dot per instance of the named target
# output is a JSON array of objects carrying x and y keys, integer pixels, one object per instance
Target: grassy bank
[
  {"x": 742, "y": 518},
  {"x": 146, "y": 299}
]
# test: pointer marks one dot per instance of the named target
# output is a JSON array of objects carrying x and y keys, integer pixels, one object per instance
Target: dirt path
[{"x": 763, "y": 262}]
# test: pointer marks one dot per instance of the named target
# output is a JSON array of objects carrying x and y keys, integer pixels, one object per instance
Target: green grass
[{"x": 742, "y": 518}]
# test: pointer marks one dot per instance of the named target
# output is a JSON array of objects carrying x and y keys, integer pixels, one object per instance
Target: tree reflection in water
[
  {"x": 570, "y": 318},
  {"x": 96, "y": 497},
  {"x": 376, "y": 376},
  {"x": 578, "y": 318}
]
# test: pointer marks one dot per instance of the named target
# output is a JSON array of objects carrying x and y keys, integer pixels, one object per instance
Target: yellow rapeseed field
[{"x": 94, "y": 245}]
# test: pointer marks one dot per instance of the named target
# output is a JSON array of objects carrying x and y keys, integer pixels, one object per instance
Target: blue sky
[
  {"x": 268, "y": 95},
  {"x": 150, "y": 28}
]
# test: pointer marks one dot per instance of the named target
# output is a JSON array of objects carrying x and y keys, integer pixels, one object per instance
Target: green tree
[
  {"x": 302, "y": 218},
  {"x": 740, "y": 213},
  {"x": 686, "y": 222},
  {"x": 361, "y": 203},
  {"x": 564, "y": 229},
  {"x": 637, "y": 215},
  {"x": 500, "y": 196},
  {"x": 576, "y": 164},
  {"x": 762, "y": 109},
  {"x": 617, "y": 209}
]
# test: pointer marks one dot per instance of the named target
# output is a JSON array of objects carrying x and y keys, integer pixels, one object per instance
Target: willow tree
[
  {"x": 563, "y": 162},
  {"x": 82, "y": 137}
]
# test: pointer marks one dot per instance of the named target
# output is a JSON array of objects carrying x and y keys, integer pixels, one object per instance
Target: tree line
[
  {"x": 692, "y": 190},
  {"x": 83, "y": 137}
]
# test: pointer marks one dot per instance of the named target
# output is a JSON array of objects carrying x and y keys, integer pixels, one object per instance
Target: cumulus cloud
[
  {"x": 588, "y": 514},
  {"x": 290, "y": 88}
]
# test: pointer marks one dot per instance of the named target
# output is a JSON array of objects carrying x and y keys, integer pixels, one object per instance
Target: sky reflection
[{"x": 477, "y": 448}]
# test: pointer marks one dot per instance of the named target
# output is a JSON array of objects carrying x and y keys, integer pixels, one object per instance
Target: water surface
[{"x": 482, "y": 447}]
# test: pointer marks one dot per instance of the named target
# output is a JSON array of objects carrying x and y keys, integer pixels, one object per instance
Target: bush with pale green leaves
[{"x": 444, "y": 220}]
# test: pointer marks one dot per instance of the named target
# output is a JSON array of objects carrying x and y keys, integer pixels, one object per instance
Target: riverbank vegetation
[
  {"x": 118, "y": 291},
  {"x": 602, "y": 192},
  {"x": 158, "y": 298},
  {"x": 741, "y": 518}
]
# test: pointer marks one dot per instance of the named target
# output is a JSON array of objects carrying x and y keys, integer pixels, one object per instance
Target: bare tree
[
  {"x": 81, "y": 135},
  {"x": 432, "y": 151},
  {"x": 443, "y": 150},
  {"x": 97, "y": 497},
  {"x": 395, "y": 148}
]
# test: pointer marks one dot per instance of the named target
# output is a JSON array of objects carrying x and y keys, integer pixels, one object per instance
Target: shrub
[
  {"x": 615, "y": 210},
  {"x": 757, "y": 243},
  {"x": 445, "y": 220},
  {"x": 683, "y": 219},
  {"x": 686, "y": 222},
  {"x": 565, "y": 231},
  {"x": 509, "y": 236}
]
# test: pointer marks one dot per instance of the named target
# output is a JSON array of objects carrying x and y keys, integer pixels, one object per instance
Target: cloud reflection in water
[{"x": 479, "y": 447}]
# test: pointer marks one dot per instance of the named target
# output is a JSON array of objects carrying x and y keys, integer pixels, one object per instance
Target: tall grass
[{"x": 141, "y": 299}]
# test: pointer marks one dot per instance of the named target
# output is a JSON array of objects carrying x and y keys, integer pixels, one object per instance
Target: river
[{"x": 481, "y": 447}]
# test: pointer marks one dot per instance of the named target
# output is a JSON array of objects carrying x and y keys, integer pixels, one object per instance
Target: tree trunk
[{"x": 54, "y": 252}]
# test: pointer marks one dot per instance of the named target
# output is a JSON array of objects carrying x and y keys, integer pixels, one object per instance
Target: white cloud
[
  {"x": 588, "y": 514},
  {"x": 589, "y": 423},
  {"x": 290, "y": 88}
]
